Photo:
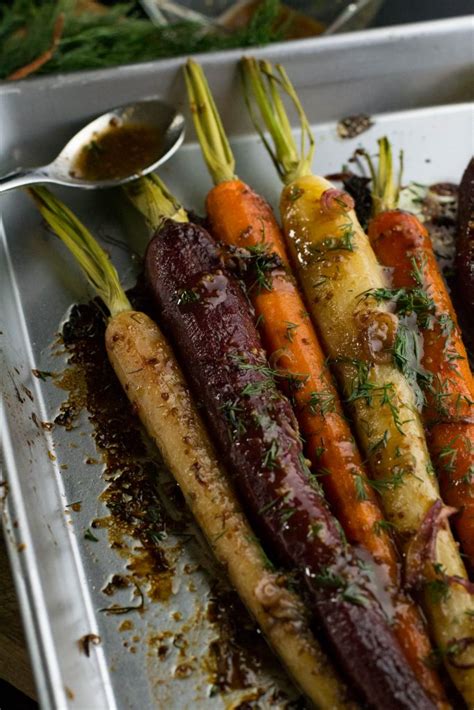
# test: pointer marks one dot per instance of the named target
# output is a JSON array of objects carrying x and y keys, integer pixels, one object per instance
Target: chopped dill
[
  {"x": 418, "y": 269},
  {"x": 268, "y": 506},
  {"x": 311, "y": 476},
  {"x": 42, "y": 374},
  {"x": 343, "y": 242},
  {"x": 327, "y": 578},
  {"x": 360, "y": 484},
  {"x": 187, "y": 296},
  {"x": 447, "y": 456},
  {"x": 407, "y": 301},
  {"x": 89, "y": 535},
  {"x": 342, "y": 532},
  {"x": 408, "y": 347},
  {"x": 321, "y": 471},
  {"x": 383, "y": 526},
  {"x": 382, "y": 484},
  {"x": 350, "y": 591},
  {"x": 380, "y": 444},
  {"x": 353, "y": 594},
  {"x": 293, "y": 379},
  {"x": 321, "y": 402},
  {"x": 362, "y": 389},
  {"x": 468, "y": 477},
  {"x": 446, "y": 324},
  {"x": 261, "y": 263},
  {"x": 286, "y": 514},
  {"x": 95, "y": 147},
  {"x": 315, "y": 529},
  {"x": 438, "y": 588},
  {"x": 407, "y": 353},
  {"x": 280, "y": 499},
  {"x": 269, "y": 459},
  {"x": 255, "y": 389},
  {"x": 232, "y": 412}
]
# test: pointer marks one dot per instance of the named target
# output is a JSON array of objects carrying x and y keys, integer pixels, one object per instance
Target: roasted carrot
[
  {"x": 152, "y": 379},
  {"x": 402, "y": 243},
  {"x": 241, "y": 218},
  {"x": 339, "y": 274}
]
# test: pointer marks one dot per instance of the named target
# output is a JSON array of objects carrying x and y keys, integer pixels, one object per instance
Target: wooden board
[{"x": 15, "y": 665}]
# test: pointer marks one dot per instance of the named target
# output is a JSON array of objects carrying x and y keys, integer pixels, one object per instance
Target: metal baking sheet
[{"x": 395, "y": 74}]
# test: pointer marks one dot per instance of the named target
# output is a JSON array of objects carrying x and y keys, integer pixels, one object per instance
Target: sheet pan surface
[{"x": 60, "y": 574}]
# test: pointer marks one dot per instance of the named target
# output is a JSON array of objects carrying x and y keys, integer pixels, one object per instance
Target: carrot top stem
[
  {"x": 156, "y": 203},
  {"x": 385, "y": 189},
  {"x": 264, "y": 86},
  {"x": 92, "y": 259},
  {"x": 209, "y": 129}
]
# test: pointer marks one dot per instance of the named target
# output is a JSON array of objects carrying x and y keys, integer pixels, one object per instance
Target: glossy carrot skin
[
  {"x": 400, "y": 240},
  {"x": 219, "y": 346},
  {"x": 241, "y": 218}
]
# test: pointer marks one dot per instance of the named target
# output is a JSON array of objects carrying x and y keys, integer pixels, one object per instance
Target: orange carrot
[
  {"x": 241, "y": 218},
  {"x": 402, "y": 243},
  {"x": 48, "y": 54}
]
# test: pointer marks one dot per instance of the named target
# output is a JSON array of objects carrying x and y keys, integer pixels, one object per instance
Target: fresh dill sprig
[
  {"x": 407, "y": 353},
  {"x": 271, "y": 375},
  {"x": 383, "y": 526},
  {"x": 349, "y": 591},
  {"x": 373, "y": 394},
  {"x": 360, "y": 485},
  {"x": 321, "y": 402},
  {"x": 407, "y": 301},
  {"x": 119, "y": 35},
  {"x": 439, "y": 587},
  {"x": 343, "y": 242},
  {"x": 383, "y": 484},
  {"x": 187, "y": 296},
  {"x": 271, "y": 453},
  {"x": 261, "y": 263},
  {"x": 233, "y": 414}
]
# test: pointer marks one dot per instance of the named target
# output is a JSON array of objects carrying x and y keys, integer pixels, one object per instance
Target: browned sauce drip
[{"x": 118, "y": 152}]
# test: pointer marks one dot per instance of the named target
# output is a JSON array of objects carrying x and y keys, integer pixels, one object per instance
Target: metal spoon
[{"x": 168, "y": 122}]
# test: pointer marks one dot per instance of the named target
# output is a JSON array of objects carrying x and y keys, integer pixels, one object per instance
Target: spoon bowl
[{"x": 167, "y": 123}]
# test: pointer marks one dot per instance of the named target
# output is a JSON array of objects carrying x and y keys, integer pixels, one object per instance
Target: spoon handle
[{"x": 23, "y": 177}]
